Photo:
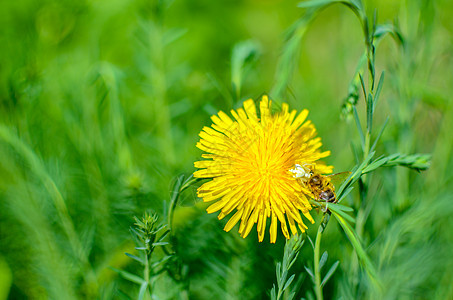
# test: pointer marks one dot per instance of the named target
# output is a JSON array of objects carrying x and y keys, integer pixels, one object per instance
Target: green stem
[
  {"x": 318, "y": 288},
  {"x": 180, "y": 186},
  {"x": 147, "y": 274},
  {"x": 366, "y": 150}
]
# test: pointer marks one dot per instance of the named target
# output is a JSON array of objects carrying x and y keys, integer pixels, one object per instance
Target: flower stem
[{"x": 318, "y": 287}]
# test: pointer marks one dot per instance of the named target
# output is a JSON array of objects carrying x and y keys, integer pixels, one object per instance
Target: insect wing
[{"x": 337, "y": 178}]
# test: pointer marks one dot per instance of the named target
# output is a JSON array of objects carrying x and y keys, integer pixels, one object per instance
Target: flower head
[{"x": 250, "y": 160}]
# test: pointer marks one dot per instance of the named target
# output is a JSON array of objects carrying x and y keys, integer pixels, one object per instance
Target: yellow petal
[{"x": 234, "y": 219}]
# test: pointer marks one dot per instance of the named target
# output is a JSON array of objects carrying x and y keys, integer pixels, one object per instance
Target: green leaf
[
  {"x": 414, "y": 161},
  {"x": 310, "y": 272},
  {"x": 142, "y": 292},
  {"x": 355, "y": 175},
  {"x": 359, "y": 127},
  {"x": 188, "y": 182},
  {"x": 291, "y": 51},
  {"x": 363, "y": 257},
  {"x": 322, "y": 260},
  {"x": 417, "y": 161},
  {"x": 318, "y": 3},
  {"x": 357, "y": 4},
  {"x": 161, "y": 261},
  {"x": 355, "y": 152},
  {"x": 375, "y": 164},
  {"x": 346, "y": 192},
  {"x": 160, "y": 244},
  {"x": 164, "y": 235},
  {"x": 160, "y": 228},
  {"x": 135, "y": 258},
  {"x": 378, "y": 89},
  {"x": 126, "y": 275},
  {"x": 383, "y": 29},
  {"x": 311, "y": 242},
  {"x": 330, "y": 273},
  {"x": 310, "y": 296},
  {"x": 343, "y": 207},
  {"x": 293, "y": 261},
  {"x": 243, "y": 54},
  {"x": 288, "y": 282},
  {"x": 370, "y": 112},
  {"x": 274, "y": 292},
  {"x": 173, "y": 34},
  {"x": 379, "y": 135},
  {"x": 333, "y": 207},
  {"x": 278, "y": 269},
  {"x": 362, "y": 83}
]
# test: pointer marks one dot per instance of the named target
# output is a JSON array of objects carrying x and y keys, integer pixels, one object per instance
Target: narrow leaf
[
  {"x": 379, "y": 135},
  {"x": 189, "y": 180},
  {"x": 370, "y": 112},
  {"x": 414, "y": 161},
  {"x": 359, "y": 127},
  {"x": 161, "y": 261},
  {"x": 128, "y": 276},
  {"x": 141, "y": 293},
  {"x": 161, "y": 227},
  {"x": 363, "y": 257},
  {"x": 160, "y": 244},
  {"x": 330, "y": 273},
  {"x": 274, "y": 293},
  {"x": 375, "y": 164},
  {"x": 135, "y": 258},
  {"x": 242, "y": 55},
  {"x": 378, "y": 89},
  {"x": 355, "y": 175},
  {"x": 173, "y": 35},
  {"x": 322, "y": 260},
  {"x": 317, "y": 3},
  {"x": 311, "y": 242},
  {"x": 288, "y": 282},
  {"x": 164, "y": 235},
  {"x": 293, "y": 261},
  {"x": 362, "y": 83},
  {"x": 345, "y": 194},
  {"x": 310, "y": 272},
  {"x": 342, "y": 213},
  {"x": 343, "y": 207},
  {"x": 310, "y": 296}
]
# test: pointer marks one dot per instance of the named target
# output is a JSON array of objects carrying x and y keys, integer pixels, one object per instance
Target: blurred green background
[{"x": 101, "y": 103}]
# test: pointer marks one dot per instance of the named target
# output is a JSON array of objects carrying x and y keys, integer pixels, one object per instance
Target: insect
[{"x": 321, "y": 186}]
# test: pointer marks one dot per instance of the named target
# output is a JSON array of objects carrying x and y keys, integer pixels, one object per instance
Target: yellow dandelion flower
[{"x": 249, "y": 160}]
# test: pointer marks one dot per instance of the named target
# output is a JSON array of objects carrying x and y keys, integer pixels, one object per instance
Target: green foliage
[
  {"x": 100, "y": 106},
  {"x": 291, "y": 252}
]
